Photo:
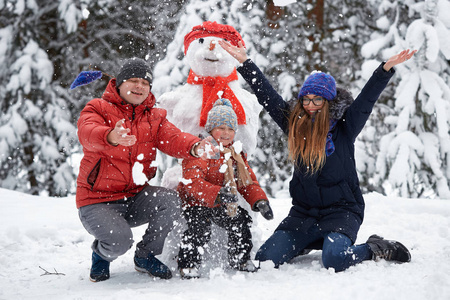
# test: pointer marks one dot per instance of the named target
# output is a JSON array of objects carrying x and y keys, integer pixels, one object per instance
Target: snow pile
[{"x": 44, "y": 234}]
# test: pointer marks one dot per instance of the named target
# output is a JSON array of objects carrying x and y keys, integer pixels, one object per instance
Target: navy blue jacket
[{"x": 331, "y": 198}]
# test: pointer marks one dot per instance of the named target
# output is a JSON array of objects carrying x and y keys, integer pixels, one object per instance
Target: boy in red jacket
[
  {"x": 209, "y": 193},
  {"x": 120, "y": 133}
]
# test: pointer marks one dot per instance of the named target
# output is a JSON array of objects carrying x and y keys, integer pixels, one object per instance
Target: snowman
[{"x": 212, "y": 76}]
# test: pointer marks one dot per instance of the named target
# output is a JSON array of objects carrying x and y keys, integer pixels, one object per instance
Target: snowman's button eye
[{"x": 201, "y": 40}]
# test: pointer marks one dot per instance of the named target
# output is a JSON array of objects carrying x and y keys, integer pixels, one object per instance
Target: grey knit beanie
[{"x": 222, "y": 113}]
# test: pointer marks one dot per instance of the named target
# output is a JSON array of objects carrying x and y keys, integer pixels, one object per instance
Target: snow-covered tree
[
  {"x": 36, "y": 133},
  {"x": 413, "y": 138}
]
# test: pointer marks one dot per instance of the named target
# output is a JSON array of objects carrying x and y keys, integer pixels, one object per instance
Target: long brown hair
[{"x": 307, "y": 139}]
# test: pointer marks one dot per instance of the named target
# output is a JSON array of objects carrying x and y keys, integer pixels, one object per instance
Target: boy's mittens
[
  {"x": 225, "y": 196},
  {"x": 265, "y": 209}
]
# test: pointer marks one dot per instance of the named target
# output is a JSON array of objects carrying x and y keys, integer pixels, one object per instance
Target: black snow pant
[{"x": 198, "y": 234}]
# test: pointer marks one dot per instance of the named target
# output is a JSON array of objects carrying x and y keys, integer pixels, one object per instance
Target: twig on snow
[{"x": 50, "y": 273}]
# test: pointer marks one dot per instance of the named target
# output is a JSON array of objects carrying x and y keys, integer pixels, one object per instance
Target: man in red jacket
[{"x": 120, "y": 134}]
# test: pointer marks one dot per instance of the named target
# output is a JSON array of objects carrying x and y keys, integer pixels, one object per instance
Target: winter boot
[
  {"x": 190, "y": 273},
  {"x": 247, "y": 266},
  {"x": 99, "y": 269},
  {"x": 388, "y": 250},
  {"x": 152, "y": 266}
]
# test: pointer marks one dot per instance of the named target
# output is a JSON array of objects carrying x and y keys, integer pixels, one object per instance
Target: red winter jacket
[
  {"x": 206, "y": 181},
  {"x": 106, "y": 170}
]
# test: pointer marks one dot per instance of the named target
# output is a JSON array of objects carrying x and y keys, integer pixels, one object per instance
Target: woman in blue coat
[{"x": 327, "y": 203}]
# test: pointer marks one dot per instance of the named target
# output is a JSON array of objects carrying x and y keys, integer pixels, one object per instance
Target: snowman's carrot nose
[{"x": 212, "y": 45}]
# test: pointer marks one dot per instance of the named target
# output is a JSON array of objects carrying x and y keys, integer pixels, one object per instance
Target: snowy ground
[{"x": 41, "y": 233}]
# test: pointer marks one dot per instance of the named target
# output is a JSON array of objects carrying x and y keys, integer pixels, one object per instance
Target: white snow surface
[{"x": 44, "y": 233}]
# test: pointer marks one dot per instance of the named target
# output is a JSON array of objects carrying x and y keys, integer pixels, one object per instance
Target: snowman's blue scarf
[{"x": 329, "y": 146}]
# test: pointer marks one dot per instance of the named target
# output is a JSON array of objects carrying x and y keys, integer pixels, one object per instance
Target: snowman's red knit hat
[{"x": 209, "y": 28}]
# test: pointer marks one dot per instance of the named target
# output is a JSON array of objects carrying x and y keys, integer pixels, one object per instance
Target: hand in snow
[
  {"x": 239, "y": 52},
  {"x": 119, "y": 135},
  {"x": 205, "y": 149},
  {"x": 265, "y": 209},
  {"x": 225, "y": 196},
  {"x": 398, "y": 59}
]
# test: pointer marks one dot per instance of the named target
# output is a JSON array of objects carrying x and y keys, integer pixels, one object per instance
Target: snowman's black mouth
[{"x": 212, "y": 60}]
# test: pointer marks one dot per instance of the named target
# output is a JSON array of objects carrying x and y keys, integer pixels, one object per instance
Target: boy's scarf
[
  {"x": 243, "y": 179},
  {"x": 212, "y": 86},
  {"x": 243, "y": 175}
]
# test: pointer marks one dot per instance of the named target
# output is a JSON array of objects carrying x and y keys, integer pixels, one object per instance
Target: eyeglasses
[{"x": 317, "y": 101}]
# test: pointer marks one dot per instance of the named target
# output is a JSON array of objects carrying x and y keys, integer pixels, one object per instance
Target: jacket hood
[
  {"x": 111, "y": 94},
  {"x": 340, "y": 103}
]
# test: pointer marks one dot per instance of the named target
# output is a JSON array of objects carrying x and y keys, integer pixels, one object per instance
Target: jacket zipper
[
  {"x": 130, "y": 154},
  {"x": 134, "y": 113}
]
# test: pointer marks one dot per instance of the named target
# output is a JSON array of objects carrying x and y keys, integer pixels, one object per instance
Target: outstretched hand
[
  {"x": 265, "y": 209},
  {"x": 239, "y": 52},
  {"x": 398, "y": 59},
  {"x": 119, "y": 135},
  {"x": 205, "y": 149}
]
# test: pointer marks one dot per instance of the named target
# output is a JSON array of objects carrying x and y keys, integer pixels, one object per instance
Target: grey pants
[{"x": 111, "y": 222}]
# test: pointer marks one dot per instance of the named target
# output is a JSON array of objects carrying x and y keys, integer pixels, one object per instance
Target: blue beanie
[
  {"x": 320, "y": 84},
  {"x": 222, "y": 113}
]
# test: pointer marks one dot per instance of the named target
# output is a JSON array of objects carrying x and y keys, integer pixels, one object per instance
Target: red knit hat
[{"x": 209, "y": 28}]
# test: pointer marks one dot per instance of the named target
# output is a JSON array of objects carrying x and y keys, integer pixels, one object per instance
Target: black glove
[
  {"x": 225, "y": 196},
  {"x": 265, "y": 210}
]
